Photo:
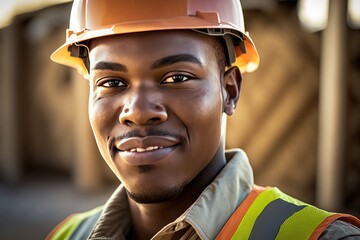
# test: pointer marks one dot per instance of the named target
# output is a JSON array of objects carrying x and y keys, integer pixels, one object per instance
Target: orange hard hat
[{"x": 97, "y": 18}]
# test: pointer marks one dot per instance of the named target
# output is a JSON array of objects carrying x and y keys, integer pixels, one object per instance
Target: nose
[{"x": 143, "y": 108}]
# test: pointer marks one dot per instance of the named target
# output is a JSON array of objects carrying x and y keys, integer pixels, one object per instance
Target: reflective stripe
[
  {"x": 268, "y": 224},
  {"x": 86, "y": 226},
  {"x": 285, "y": 227},
  {"x": 62, "y": 230},
  {"x": 69, "y": 225},
  {"x": 244, "y": 229},
  {"x": 305, "y": 222},
  {"x": 258, "y": 213},
  {"x": 232, "y": 224}
]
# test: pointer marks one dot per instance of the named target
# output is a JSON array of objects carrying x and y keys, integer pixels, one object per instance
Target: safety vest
[
  {"x": 76, "y": 226},
  {"x": 267, "y": 213}
]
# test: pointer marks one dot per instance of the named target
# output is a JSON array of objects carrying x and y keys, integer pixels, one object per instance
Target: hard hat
[{"x": 91, "y": 19}]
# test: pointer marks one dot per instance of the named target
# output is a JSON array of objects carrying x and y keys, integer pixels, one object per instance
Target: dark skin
[{"x": 156, "y": 105}]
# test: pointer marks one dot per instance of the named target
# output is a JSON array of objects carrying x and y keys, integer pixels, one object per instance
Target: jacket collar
[{"x": 206, "y": 215}]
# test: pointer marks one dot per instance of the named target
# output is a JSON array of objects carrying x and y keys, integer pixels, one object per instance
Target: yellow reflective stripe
[
  {"x": 302, "y": 223},
  {"x": 289, "y": 199},
  {"x": 263, "y": 199},
  {"x": 67, "y": 229}
]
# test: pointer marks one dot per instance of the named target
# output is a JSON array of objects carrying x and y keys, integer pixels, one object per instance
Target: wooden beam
[
  {"x": 87, "y": 171},
  {"x": 10, "y": 169},
  {"x": 332, "y": 103}
]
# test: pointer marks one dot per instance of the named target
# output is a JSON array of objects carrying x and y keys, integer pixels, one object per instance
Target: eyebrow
[
  {"x": 110, "y": 66},
  {"x": 166, "y": 61},
  {"x": 163, "y": 62}
]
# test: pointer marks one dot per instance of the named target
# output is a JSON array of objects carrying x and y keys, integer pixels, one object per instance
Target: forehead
[{"x": 151, "y": 46}]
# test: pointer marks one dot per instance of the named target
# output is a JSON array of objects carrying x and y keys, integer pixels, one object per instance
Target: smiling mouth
[
  {"x": 146, "y": 150},
  {"x": 146, "y": 144}
]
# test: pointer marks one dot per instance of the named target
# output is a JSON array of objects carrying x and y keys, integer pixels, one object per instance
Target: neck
[{"x": 148, "y": 219}]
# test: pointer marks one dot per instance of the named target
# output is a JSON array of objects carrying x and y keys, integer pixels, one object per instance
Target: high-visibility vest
[
  {"x": 76, "y": 226},
  {"x": 267, "y": 213}
]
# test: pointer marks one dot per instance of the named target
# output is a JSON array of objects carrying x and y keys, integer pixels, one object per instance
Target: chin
[{"x": 158, "y": 195}]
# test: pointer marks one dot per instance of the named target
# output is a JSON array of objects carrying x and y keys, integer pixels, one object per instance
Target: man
[{"x": 162, "y": 74}]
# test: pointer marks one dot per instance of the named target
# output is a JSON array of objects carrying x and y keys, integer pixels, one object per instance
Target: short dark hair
[{"x": 218, "y": 44}]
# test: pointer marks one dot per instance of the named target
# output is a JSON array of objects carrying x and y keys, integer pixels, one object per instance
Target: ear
[{"x": 231, "y": 89}]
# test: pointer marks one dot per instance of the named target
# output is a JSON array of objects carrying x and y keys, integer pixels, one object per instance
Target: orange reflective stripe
[
  {"x": 245, "y": 227},
  {"x": 337, "y": 216},
  {"x": 232, "y": 224},
  {"x": 308, "y": 222}
]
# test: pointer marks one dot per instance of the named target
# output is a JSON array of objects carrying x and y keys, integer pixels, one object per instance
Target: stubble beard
[{"x": 160, "y": 195}]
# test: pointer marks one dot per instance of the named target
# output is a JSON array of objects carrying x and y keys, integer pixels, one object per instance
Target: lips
[
  {"x": 146, "y": 150},
  {"x": 146, "y": 143}
]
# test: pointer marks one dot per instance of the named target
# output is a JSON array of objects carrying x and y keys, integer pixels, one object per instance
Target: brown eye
[
  {"x": 176, "y": 79},
  {"x": 111, "y": 82}
]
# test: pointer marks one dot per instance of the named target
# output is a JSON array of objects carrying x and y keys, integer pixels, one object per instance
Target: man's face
[{"x": 155, "y": 108}]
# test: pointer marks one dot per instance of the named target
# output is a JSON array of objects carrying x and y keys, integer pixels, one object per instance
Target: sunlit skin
[{"x": 163, "y": 92}]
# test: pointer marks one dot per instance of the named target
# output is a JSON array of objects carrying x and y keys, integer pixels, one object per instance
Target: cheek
[
  {"x": 207, "y": 105},
  {"x": 101, "y": 121},
  {"x": 202, "y": 119},
  {"x": 202, "y": 115},
  {"x": 98, "y": 115},
  {"x": 103, "y": 114}
]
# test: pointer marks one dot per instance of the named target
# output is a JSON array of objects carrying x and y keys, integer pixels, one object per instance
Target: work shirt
[{"x": 206, "y": 216}]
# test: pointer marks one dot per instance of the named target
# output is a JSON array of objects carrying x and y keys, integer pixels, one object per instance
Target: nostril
[
  {"x": 154, "y": 120},
  {"x": 142, "y": 113},
  {"x": 127, "y": 122}
]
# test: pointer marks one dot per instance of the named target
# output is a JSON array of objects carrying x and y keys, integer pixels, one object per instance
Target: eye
[
  {"x": 110, "y": 83},
  {"x": 176, "y": 78}
]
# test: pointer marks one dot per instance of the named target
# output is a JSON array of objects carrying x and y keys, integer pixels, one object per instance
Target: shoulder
[
  {"x": 340, "y": 230},
  {"x": 76, "y": 226},
  {"x": 269, "y": 212}
]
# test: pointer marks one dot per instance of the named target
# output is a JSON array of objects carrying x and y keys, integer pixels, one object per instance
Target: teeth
[
  {"x": 140, "y": 150},
  {"x": 144, "y": 149}
]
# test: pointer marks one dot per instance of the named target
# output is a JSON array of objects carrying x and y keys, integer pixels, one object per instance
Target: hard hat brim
[{"x": 247, "y": 62}]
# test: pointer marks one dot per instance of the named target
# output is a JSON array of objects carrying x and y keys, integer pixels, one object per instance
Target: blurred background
[{"x": 298, "y": 118}]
